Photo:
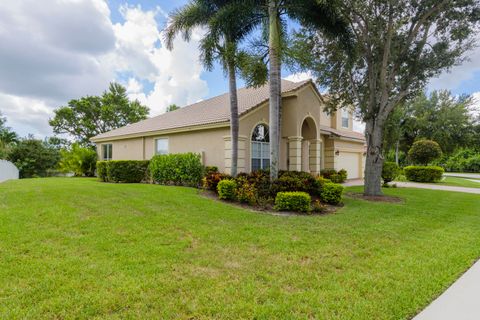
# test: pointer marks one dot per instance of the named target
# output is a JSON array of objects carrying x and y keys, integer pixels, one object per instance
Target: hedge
[
  {"x": 183, "y": 169},
  {"x": 334, "y": 176},
  {"x": 331, "y": 193},
  {"x": 423, "y": 173},
  {"x": 293, "y": 201},
  {"x": 123, "y": 171}
]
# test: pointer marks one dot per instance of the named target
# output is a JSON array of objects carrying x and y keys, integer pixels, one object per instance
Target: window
[
  {"x": 260, "y": 148},
  {"x": 345, "y": 118},
  {"x": 161, "y": 146},
  {"x": 107, "y": 151}
]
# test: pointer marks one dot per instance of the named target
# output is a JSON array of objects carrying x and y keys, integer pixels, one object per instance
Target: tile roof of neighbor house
[{"x": 210, "y": 111}]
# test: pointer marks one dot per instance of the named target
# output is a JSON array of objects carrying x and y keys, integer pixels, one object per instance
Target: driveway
[
  {"x": 463, "y": 175},
  {"x": 459, "y": 302},
  {"x": 359, "y": 182}
]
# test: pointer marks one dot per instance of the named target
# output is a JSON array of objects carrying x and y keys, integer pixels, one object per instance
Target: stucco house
[{"x": 311, "y": 139}]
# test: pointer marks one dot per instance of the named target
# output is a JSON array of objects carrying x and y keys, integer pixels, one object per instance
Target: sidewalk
[
  {"x": 459, "y": 302},
  {"x": 463, "y": 175},
  {"x": 359, "y": 182}
]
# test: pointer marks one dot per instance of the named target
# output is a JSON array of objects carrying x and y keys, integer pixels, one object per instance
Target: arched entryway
[{"x": 310, "y": 146}]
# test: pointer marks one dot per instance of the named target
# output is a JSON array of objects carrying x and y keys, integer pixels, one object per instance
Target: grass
[
  {"x": 460, "y": 182},
  {"x": 77, "y": 248}
]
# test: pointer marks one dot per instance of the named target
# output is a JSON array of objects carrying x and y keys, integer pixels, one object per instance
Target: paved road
[
  {"x": 359, "y": 182},
  {"x": 459, "y": 302},
  {"x": 463, "y": 175}
]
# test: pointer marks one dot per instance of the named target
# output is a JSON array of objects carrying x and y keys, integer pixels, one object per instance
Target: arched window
[{"x": 260, "y": 147}]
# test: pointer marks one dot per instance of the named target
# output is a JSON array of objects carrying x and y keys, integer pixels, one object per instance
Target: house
[{"x": 311, "y": 139}]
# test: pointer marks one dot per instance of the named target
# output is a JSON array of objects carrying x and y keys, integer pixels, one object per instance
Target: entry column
[
  {"x": 242, "y": 140},
  {"x": 295, "y": 153},
  {"x": 314, "y": 155}
]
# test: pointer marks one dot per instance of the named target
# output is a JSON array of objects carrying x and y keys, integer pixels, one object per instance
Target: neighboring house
[
  {"x": 8, "y": 171},
  {"x": 311, "y": 139}
]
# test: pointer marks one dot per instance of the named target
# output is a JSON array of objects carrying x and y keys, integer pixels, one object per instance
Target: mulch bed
[
  {"x": 384, "y": 198},
  {"x": 268, "y": 209}
]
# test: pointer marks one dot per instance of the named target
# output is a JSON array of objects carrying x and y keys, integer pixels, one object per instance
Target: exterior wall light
[{"x": 337, "y": 152}]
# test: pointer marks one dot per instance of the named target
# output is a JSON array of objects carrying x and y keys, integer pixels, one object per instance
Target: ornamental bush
[
  {"x": 293, "y": 201},
  {"x": 424, "y": 151},
  {"x": 246, "y": 192},
  {"x": 423, "y": 173},
  {"x": 123, "y": 171},
  {"x": 226, "y": 189},
  {"x": 331, "y": 193},
  {"x": 334, "y": 176},
  {"x": 183, "y": 169},
  {"x": 390, "y": 171},
  {"x": 102, "y": 170},
  {"x": 211, "y": 180}
]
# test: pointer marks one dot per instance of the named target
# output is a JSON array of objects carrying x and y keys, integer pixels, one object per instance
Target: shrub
[
  {"x": 260, "y": 179},
  {"x": 294, "y": 181},
  {"x": 390, "y": 171},
  {"x": 331, "y": 193},
  {"x": 81, "y": 161},
  {"x": 211, "y": 180},
  {"x": 320, "y": 181},
  {"x": 123, "y": 171},
  {"x": 424, "y": 152},
  {"x": 423, "y": 173},
  {"x": 334, "y": 176},
  {"x": 102, "y": 170},
  {"x": 226, "y": 189},
  {"x": 463, "y": 160},
  {"x": 211, "y": 169},
  {"x": 246, "y": 191},
  {"x": 34, "y": 158},
  {"x": 179, "y": 169},
  {"x": 293, "y": 201}
]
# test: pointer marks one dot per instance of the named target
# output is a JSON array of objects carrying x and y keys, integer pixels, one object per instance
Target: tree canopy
[
  {"x": 397, "y": 47},
  {"x": 89, "y": 116}
]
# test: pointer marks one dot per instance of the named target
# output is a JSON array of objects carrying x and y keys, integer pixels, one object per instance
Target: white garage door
[{"x": 350, "y": 162}]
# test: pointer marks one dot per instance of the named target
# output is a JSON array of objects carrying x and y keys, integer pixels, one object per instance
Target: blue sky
[{"x": 54, "y": 51}]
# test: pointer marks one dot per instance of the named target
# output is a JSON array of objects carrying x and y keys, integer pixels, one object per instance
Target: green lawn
[
  {"x": 460, "y": 182},
  {"x": 78, "y": 248}
]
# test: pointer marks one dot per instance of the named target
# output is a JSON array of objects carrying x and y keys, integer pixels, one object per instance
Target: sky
[{"x": 53, "y": 51}]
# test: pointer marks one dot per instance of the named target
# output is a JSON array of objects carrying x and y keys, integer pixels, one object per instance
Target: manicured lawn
[
  {"x": 77, "y": 248},
  {"x": 460, "y": 182}
]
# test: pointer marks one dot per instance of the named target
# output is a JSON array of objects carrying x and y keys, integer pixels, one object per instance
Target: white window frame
[
  {"x": 262, "y": 145},
  {"x": 345, "y": 115},
  {"x": 156, "y": 144},
  {"x": 107, "y": 146}
]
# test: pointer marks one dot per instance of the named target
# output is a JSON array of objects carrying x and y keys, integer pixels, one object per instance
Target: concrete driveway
[
  {"x": 359, "y": 182},
  {"x": 462, "y": 175}
]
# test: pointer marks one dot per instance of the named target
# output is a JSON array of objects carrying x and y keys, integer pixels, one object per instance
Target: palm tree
[
  {"x": 322, "y": 15},
  {"x": 226, "y": 23}
]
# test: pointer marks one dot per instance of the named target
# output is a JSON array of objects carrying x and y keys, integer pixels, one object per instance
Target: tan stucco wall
[{"x": 214, "y": 143}]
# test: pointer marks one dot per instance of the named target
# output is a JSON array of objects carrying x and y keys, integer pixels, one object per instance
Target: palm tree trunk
[
  {"x": 234, "y": 122},
  {"x": 275, "y": 87}
]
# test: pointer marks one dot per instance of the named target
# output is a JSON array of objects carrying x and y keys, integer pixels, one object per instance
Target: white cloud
[
  {"x": 300, "y": 76},
  {"x": 54, "y": 51},
  {"x": 175, "y": 74},
  {"x": 451, "y": 80}
]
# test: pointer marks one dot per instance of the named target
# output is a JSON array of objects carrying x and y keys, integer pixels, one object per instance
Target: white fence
[{"x": 7, "y": 171}]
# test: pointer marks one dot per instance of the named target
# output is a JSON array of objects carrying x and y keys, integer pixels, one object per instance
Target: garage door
[{"x": 350, "y": 162}]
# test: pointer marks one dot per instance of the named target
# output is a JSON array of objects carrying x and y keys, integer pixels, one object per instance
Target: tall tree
[
  {"x": 7, "y": 138},
  {"x": 399, "y": 46},
  {"x": 172, "y": 107},
  {"x": 319, "y": 15},
  {"x": 226, "y": 24},
  {"x": 89, "y": 116}
]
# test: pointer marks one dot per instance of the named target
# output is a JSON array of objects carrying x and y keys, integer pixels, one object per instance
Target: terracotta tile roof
[{"x": 210, "y": 111}]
